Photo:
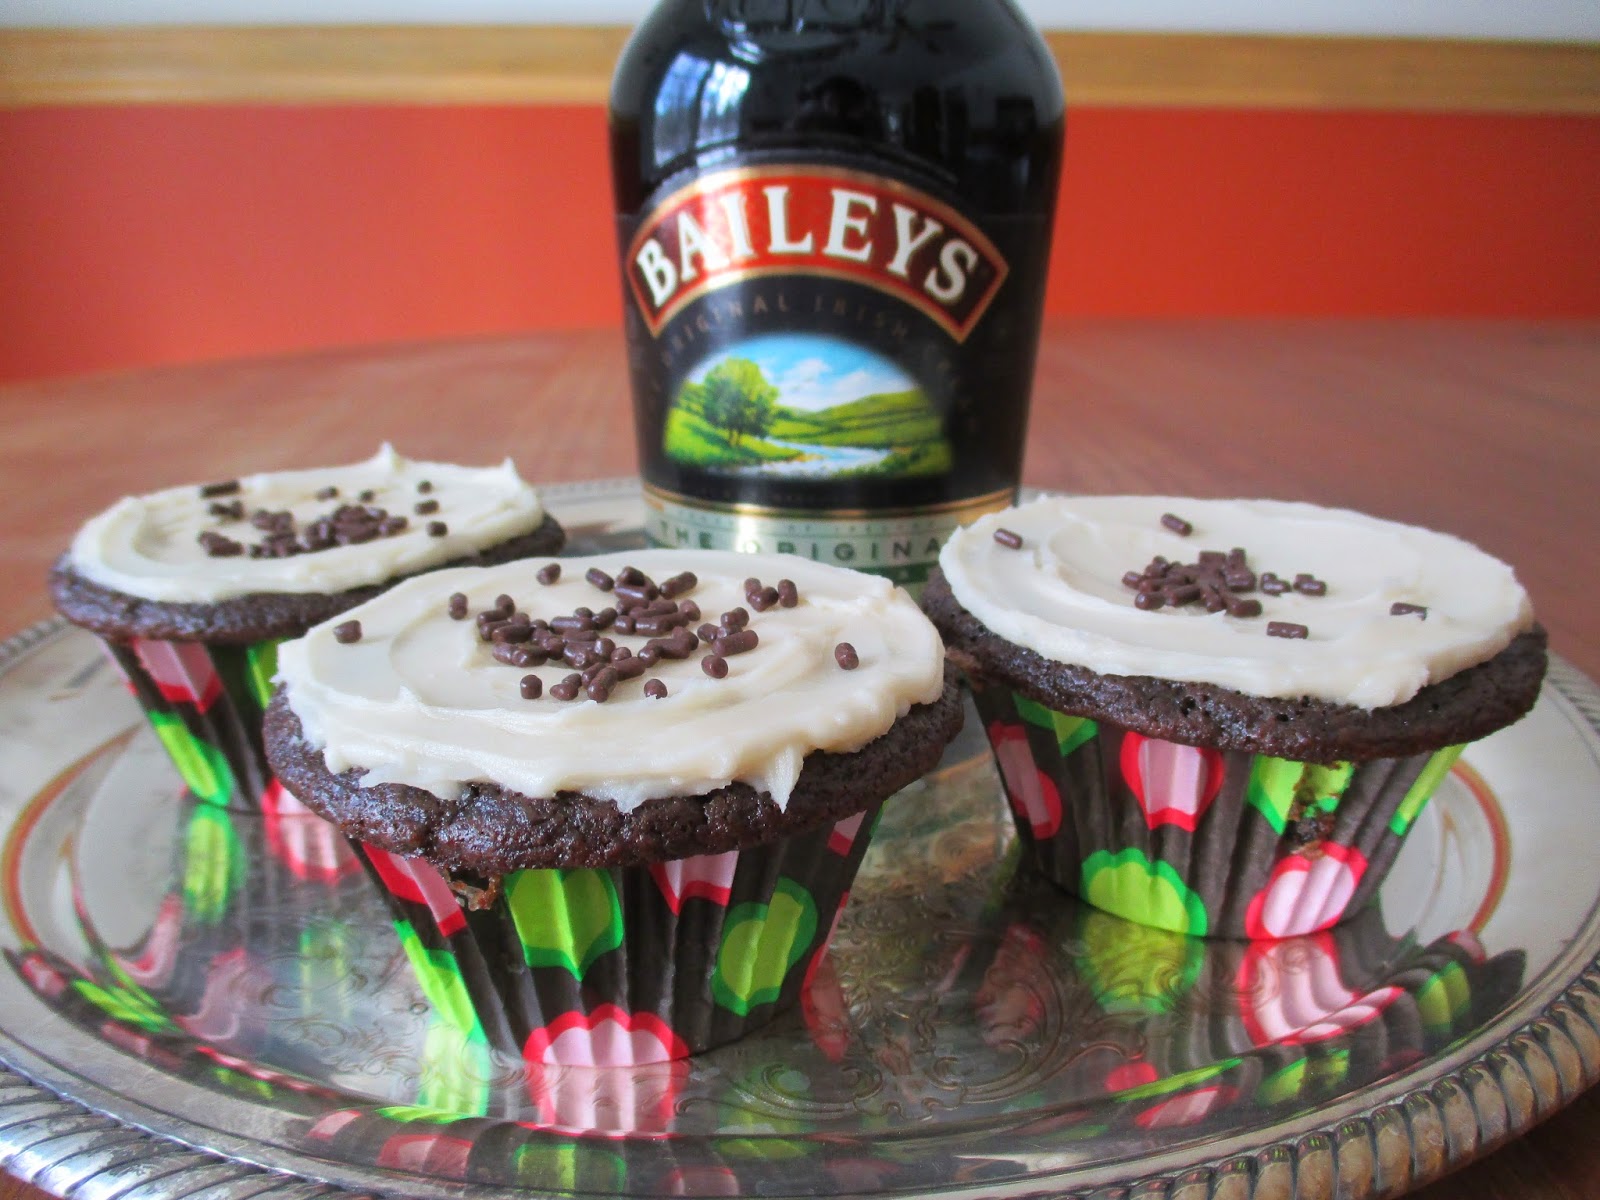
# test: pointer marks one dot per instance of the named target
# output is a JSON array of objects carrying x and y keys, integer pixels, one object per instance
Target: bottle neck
[
  {"x": 798, "y": 23},
  {"x": 961, "y": 95}
]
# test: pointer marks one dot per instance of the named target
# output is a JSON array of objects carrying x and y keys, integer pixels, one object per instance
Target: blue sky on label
[{"x": 813, "y": 373}]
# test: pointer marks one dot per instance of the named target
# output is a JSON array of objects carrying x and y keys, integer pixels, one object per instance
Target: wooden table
[{"x": 1488, "y": 430}]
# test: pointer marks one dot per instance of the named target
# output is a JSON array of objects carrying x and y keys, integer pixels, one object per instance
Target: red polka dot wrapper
[
  {"x": 1205, "y": 842},
  {"x": 205, "y": 702},
  {"x": 625, "y": 965}
]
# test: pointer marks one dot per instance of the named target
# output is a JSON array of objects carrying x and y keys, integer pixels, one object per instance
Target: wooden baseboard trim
[{"x": 551, "y": 64}]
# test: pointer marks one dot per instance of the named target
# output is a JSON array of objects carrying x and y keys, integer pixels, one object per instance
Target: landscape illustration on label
[{"x": 807, "y": 407}]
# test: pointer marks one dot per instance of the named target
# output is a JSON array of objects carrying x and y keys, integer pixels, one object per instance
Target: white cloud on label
[{"x": 811, "y": 385}]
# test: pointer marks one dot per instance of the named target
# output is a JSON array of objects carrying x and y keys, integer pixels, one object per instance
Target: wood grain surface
[
  {"x": 505, "y": 64},
  {"x": 1488, "y": 430}
]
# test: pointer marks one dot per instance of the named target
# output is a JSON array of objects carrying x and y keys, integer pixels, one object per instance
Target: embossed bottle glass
[{"x": 834, "y": 219}]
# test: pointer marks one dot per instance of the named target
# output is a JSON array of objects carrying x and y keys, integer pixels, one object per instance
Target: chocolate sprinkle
[
  {"x": 1287, "y": 629},
  {"x": 1008, "y": 539},
  {"x": 532, "y": 687},
  {"x": 655, "y": 689},
  {"x": 437, "y": 529},
  {"x": 327, "y": 493},
  {"x": 1310, "y": 585},
  {"x": 600, "y": 686},
  {"x": 426, "y": 507},
  {"x": 635, "y": 593},
  {"x": 549, "y": 573},
  {"x": 715, "y": 666},
  {"x": 367, "y": 496},
  {"x": 458, "y": 606},
  {"x": 845, "y": 655},
  {"x": 347, "y": 632},
  {"x": 1401, "y": 609},
  {"x": 567, "y": 689},
  {"x": 1176, "y": 524},
  {"x": 628, "y": 668},
  {"x": 599, "y": 579},
  {"x": 788, "y": 594},
  {"x": 226, "y": 487},
  {"x": 218, "y": 546},
  {"x": 514, "y": 655},
  {"x": 424, "y": 486},
  {"x": 679, "y": 584},
  {"x": 231, "y": 511},
  {"x": 740, "y": 642}
]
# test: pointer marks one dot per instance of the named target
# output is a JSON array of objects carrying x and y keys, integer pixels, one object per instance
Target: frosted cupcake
[
  {"x": 193, "y": 588},
  {"x": 1222, "y": 717},
  {"x": 649, "y": 777}
]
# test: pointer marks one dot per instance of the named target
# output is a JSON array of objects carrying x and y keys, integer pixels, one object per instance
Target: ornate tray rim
[{"x": 1386, "y": 1139}]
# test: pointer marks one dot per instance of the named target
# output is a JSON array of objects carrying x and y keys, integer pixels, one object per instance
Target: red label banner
[{"x": 748, "y": 223}]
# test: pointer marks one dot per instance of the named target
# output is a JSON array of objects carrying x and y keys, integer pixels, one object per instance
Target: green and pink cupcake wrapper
[
  {"x": 1205, "y": 842},
  {"x": 205, "y": 702},
  {"x": 625, "y": 966}
]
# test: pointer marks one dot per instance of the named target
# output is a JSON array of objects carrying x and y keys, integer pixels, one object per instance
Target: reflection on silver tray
[{"x": 230, "y": 979}]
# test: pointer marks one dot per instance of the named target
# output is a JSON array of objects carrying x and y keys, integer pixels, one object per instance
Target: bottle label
[
  {"x": 828, "y": 361},
  {"x": 753, "y": 224},
  {"x": 900, "y": 545}
]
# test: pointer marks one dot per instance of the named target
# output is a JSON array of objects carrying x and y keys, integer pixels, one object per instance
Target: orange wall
[{"x": 139, "y": 235}]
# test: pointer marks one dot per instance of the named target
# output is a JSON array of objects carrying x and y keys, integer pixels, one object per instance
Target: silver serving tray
[{"x": 197, "y": 1001}]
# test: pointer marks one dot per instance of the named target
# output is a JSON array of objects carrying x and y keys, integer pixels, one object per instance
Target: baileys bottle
[{"x": 834, "y": 219}]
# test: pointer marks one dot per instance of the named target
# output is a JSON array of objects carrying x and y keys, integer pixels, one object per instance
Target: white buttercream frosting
[
  {"x": 148, "y": 546},
  {"x": 1061, "y": 595},
  {"x": 420, "y": 700}
]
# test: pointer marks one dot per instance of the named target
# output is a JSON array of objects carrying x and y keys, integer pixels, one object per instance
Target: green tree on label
[{"x": 738, "y": 398}]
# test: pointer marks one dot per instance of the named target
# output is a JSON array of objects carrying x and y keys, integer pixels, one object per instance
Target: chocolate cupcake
[
  {"x": 648, "y": 779},
  {"x": 193, "y": 588},
  {"x": 1222, "y": 717}
]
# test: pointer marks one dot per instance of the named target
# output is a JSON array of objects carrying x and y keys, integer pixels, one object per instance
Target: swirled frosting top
[
  {"x": 155, "y": 546},
  {"x": 421, "y": 698},
  {"x": 1402, "y": 607}
]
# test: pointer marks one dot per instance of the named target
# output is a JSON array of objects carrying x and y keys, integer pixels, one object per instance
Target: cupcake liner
[
  {"x": 1213, "y": 843},
  {"x": 205, "y": 703},
  {"x": 587, "y": 968}
]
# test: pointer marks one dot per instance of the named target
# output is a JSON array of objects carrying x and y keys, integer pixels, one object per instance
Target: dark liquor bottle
[{"x": 834, "y": 219}]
